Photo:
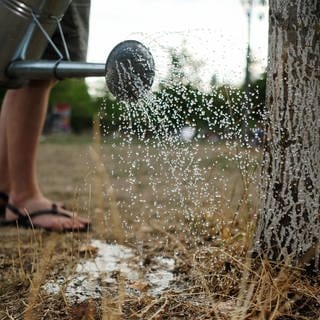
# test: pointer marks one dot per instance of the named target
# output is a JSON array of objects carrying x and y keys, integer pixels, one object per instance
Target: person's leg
[
  {"x": 4, "y": 170},
  {"x": 24, "y": 111}
]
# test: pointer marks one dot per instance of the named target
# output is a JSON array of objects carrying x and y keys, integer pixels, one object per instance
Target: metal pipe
[
  {"x": 48, "y": 69},
  {"x": 129, "y": 70}
]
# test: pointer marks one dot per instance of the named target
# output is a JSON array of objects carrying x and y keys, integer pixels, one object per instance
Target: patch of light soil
[{"x": 111, "y": 261}]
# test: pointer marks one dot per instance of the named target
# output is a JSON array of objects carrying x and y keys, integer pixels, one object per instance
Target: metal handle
[{"x": 48, "y": 69}]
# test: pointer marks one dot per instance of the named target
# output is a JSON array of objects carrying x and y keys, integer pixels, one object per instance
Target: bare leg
[
  {"x": 4, "y": 169},
  {"x": 24, "y": 112}
]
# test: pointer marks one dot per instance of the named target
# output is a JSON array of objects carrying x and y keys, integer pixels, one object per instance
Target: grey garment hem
[{"x": 75, "y": 26}]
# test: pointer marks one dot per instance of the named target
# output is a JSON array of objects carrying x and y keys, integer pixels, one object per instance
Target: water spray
[{"x": 129, "y": 70}]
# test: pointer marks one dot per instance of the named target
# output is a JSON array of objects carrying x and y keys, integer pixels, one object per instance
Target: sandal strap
[
  {"x": 25, "y": 220},
  {"x": 22, "y": 218},
  {"x": 4, "y": 196},
  {"x": 15, "y": 210}
]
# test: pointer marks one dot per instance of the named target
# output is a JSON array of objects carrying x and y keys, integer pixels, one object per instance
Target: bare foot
[{"x": 64, "y": 220}]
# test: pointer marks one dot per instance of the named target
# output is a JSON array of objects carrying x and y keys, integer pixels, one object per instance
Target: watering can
[{"x": 27, "y": 27}]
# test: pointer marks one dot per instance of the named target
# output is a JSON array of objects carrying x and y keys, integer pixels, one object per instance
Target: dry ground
[{"x": 201, "y": 213}]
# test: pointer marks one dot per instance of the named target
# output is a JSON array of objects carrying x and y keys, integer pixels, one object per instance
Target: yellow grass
[{"x": 214, "y": 277}]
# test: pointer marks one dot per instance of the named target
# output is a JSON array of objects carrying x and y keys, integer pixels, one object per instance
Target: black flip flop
[
  {"x": 4, "y": 198},
  {"x": 3, "y": 203},
  {"x": 25, "y": 221}
]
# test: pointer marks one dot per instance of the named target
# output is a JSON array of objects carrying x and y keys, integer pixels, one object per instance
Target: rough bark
[{"x": 289, "y": 218}]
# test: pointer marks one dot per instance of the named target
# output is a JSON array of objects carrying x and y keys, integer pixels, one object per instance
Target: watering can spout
[{"x": 129, "y": 70}]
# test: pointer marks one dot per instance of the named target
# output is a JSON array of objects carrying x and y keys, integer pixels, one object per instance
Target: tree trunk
[{"x": 289, "y": 218}]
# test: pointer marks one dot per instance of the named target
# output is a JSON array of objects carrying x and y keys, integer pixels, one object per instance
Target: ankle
[{"x": 21, "y": 198}]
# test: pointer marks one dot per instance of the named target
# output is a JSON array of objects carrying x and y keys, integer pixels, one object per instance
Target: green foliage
[
  {"x": 110, "y": 112},
  {"x": 181, "y": 101},
  {"x": 75, "y": 93},
  {"x": 183, "y": 104}
]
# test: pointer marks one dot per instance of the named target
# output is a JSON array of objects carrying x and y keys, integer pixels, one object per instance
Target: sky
[{"x": 214, "y": 32}]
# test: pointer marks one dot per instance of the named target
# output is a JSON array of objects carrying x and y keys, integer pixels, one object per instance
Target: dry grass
[{"x": 213, "y": 277}]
